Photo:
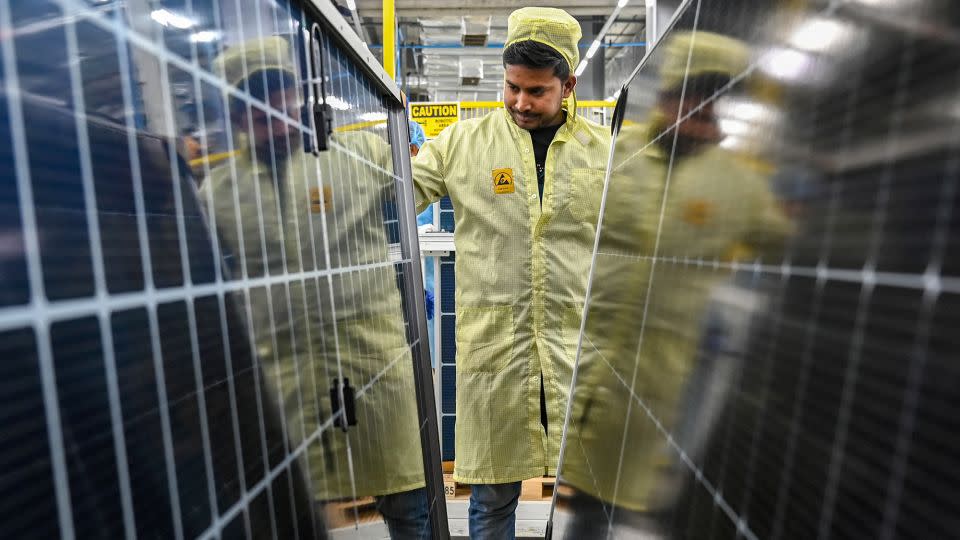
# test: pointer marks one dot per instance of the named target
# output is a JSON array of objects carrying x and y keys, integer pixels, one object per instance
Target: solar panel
[
  {"x": 210, "y": 326},
  {"x": 768, "y": 349}
]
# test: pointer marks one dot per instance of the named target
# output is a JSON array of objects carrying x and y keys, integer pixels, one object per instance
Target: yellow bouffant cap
[
  {"x": 708, "y": 53},
  {"x": 555, "y": 28},
  {"x": 267, "y": 54}
]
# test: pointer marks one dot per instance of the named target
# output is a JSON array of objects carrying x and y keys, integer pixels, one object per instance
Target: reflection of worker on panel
[
  {"x": 676, "y": 203},
  {"x": 333, "y": 320}
]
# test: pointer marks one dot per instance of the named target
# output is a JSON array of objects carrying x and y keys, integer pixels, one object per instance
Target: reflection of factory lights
[
  {"x": 204, "y": 36},
  {"x": 733, "y": 143},
  {"x": 745, "y": 110},
  {"x": 169, "y": 18},
  {"x": 581, "y": 68},
  {"x": 786, "y": 64},
  {"x": 336, "y": 103},
  {"x": 822, "y": 35},
  {"x": 899, "y": 4},
  {"x": 373, "y": 117},
  {"x": 593, "y": 48},
  {"x": 734, "y": 127}
]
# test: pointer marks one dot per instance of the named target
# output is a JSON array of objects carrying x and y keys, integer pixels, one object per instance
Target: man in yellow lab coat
[
  {"x": 677, "y": 203},
  {"x": 314, "y": 225},
  {"x": 524, "y": 182}
]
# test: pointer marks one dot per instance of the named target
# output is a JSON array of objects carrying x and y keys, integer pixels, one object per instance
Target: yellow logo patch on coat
[
  {"x": 320, "y": 200},
  {"x": 697, "y": 212},
  {"x": 502, "y": 181}
]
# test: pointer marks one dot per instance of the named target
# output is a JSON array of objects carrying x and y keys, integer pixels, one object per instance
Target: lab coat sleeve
[
  {"x": 770, "y": 227},
  {"x": 429, "y": 174}
]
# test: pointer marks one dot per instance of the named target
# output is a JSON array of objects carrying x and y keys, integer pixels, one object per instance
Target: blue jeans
[
  {"x": 406, "y": 514},
  {"x": 493, "y": 511}
]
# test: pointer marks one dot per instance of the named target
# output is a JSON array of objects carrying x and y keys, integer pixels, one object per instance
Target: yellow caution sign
[
  {"x": 502, "y": 181},
  {"x": 433, "y": 117}
]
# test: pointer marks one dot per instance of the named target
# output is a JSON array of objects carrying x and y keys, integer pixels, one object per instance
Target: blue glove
[
  {"x": 428, "y": 300},
  {"x": 417, "y": 137}
]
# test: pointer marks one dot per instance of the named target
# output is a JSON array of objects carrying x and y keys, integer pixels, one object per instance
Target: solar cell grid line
[
  {"x": 34, "y": 272},
  {"x": 263, "y": 484},
  {"x": 716, "y": 494},
  {"x": 268, "y": 257},
  {"x": 766, "y": 376},
  {"x": 93, "y": 227},
  {"x": 656, "y": 245},
  {"x": 324, "y": 258},
  {"x": 362, "y": 297},
  {"x": 947, "y": 284},
  {"x": 146, "y": 258},
  {"x": 812, "y": 327},
  {"x": 319, "y": 291},
  {"x": 146, "y": 44},
  {"x": 299, "y": 254},
  {"x": 170, "y": 128},
  {"x": 333, "y": 313},
  {"x": 373, "y": 216},
  {"x": 336, "y": 178},
  {"x": 777, "y": 323},
  {"x": 218, "y": 270},
  {"x": 908, "y": 412},
  {"x": 76, "y": 308},
  {"x": 880, "y": 214}
]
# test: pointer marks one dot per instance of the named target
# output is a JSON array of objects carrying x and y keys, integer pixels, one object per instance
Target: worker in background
[
  {"x": 677, "y": 203},
  {"x": 274, "y": 207},
  {"x": 417, "y": 138},
  {"x": 425, "y": 224},
  {"x": 524, "y": 184}
]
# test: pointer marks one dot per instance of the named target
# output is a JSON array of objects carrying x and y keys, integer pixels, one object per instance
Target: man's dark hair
[
  {"x": 260, "y": 85},
  {"x": 703, "y": 85},
  {"x": 536, "y": 55}
]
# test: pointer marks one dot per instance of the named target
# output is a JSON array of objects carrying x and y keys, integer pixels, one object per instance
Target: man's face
[
  {"x": 695, "y": 132},
  {"x": 266, "y": 128},
  {"x": 534, "y": 96}
]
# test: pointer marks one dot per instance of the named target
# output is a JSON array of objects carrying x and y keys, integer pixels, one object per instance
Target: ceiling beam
[{"x": 428, "y": 8}]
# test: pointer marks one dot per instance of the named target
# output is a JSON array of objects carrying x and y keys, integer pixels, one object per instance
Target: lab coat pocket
[
  {"x": 485, "y": 337},
  {"x": 586, "y": 190}
]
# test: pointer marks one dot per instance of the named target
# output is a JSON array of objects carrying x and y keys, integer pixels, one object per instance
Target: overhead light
[
  {"x": 581, "y": 67},
  {"x": 593, "y": 48},
  {"x": 352, "y": 5},
  {"x": 823, "y": 35},
  {"x": 787, "y": 64},
  {"x": 622, "y": 3},
  {"x": 337, "y": 103},
  {"x": 204, "y": 36},
  {"x": 169, "y": 18}
]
